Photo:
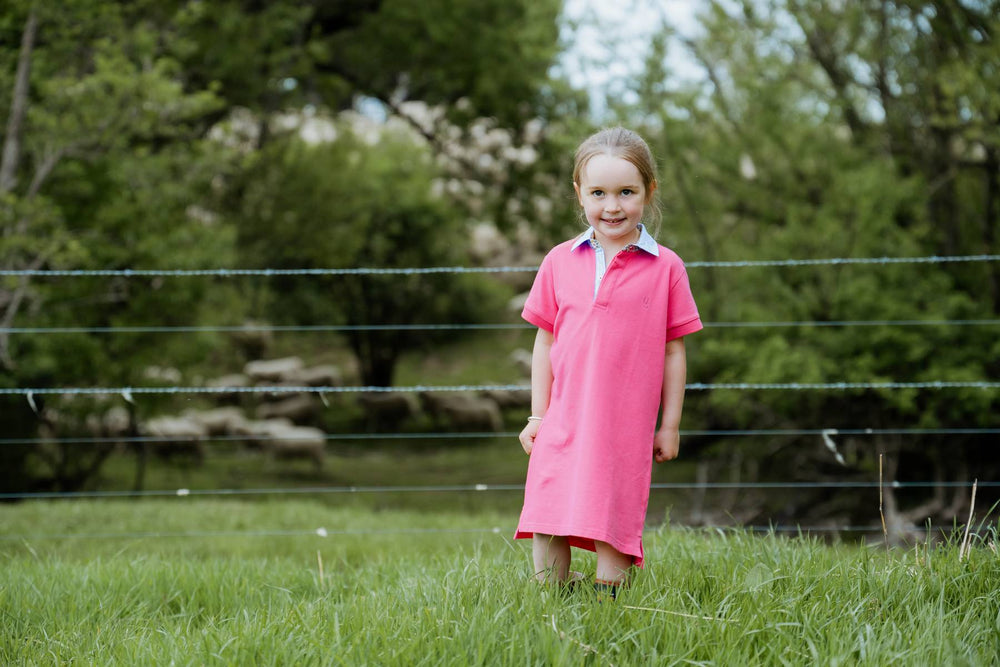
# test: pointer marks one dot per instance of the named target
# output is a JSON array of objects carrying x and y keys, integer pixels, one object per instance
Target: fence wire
[
  {"x": 484, "y": 435},
  {"x": 129, "y": 392},
  {"x": 473, "y": 488},
  {"x": 333, "y": 328},
  {"x": 362, "y": 271},
  {"x": 324, "y": 533}
]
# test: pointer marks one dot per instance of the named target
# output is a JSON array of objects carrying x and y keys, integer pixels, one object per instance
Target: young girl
[{"x": 612, "y": 307}]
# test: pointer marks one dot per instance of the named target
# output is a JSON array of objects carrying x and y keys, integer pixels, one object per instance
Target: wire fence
[
  {"x": 394, "y": 271},
  {"x": 487, "y": 435},
  {"x": 128, "y": 394},
  {"x": 323, "y": 532},
  {"x": 475, "y": 488},
  {"x": 333, "y": 328}
]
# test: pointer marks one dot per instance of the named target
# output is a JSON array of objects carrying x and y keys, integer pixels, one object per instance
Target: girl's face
[{"x": 612, "y": 196}]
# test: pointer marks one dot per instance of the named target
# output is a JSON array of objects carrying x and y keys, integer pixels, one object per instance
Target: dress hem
[{"x": 587, "y": 543}]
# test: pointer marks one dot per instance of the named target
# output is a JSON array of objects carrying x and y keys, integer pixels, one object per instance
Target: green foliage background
[{"x": 170, "y": 135}]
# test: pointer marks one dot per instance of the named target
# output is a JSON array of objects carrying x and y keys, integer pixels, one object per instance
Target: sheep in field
[
  {"x": 386, "y": 411},
  {"x": 316, "y": 376},
  {"x": 295, "y": 442},
  {"x": 175, "y": 436},
  {"x": 299, "y": 408},
  {"x": 218, "y": 421},
  {"x": 257, "y": 433},
  {"x": 463, "y": 412},
  {"x": 509, "y": 398},
  {"x": 235, "y": 382},
  {"x": 273, "y": 370}
]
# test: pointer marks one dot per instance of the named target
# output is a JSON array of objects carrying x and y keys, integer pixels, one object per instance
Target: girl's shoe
[
  {"x": 572, "y": 579},
  {"x": 606, "y": 590}
]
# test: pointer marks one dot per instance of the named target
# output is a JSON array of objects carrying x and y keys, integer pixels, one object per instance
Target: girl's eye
[
  {"x": 598, "y": 193},
  {"x": 627, "y": 191}
]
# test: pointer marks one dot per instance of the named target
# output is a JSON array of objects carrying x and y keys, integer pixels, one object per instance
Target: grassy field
[
  {"x": 195, "y": 581},
  {"x": 387, "y": 463},
  {"x": 359, "y": 464}
]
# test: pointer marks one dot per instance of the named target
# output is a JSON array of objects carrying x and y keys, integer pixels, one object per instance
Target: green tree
[
  {"x": 464, "y": 62},
  {"x": 828, "y": 129},
  {"x": 121, "y": 150},
  {"x": 103, "y": 164},
  {"x": 347, "y": 204},
  {"x": 269, "y": 57}
]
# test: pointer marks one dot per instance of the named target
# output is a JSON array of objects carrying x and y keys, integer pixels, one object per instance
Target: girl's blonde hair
[{"x": 626, "y": 144}]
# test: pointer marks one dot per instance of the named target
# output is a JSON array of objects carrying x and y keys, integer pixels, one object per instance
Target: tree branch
[
  {"x": 18, "y": 107},
  {"x": 821, "y": 49},
  {"x": 12, "y": 305},
  {"x": 43, "y": 171},
  {"x": 439, "y": 145}
]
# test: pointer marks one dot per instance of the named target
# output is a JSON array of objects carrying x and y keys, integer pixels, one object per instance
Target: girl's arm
[
  {"x": 667, "y": 441},
  {"x": 541, "y": 386}
]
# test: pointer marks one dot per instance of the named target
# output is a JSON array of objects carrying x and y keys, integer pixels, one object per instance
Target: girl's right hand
[{"x": 528, "y": 434}]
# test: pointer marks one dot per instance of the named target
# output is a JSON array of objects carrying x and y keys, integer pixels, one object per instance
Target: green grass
[
  {"x": 392, "y": 592},
  {"x": 480, "y": 358},
  {"x": 372, "y": 463},
  {"x": 377, "y": 463},
  {"x": 476, "y": 357}
]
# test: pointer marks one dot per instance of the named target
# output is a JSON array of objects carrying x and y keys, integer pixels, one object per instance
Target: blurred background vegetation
[{"x": 298, "y": 134}]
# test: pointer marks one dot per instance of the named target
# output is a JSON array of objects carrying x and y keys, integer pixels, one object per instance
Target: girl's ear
[
  {"x": 649, "y": 191},
  {"x": 579, "y": 197}
]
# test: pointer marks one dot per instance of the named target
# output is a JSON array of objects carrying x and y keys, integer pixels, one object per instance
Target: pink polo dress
[{"x": 589, "y": 470}]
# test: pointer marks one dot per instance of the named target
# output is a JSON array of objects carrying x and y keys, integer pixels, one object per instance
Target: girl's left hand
[
  {"x": 666, "y": 445},
  {"x": 527, "y": 436}
]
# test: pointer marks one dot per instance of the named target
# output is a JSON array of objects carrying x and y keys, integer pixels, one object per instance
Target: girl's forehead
[{"x": 604, "y": 168}]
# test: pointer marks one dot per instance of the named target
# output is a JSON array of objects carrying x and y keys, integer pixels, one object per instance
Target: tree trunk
[
  {"x": 991, "y": 219},
  {"x": 18, "y": 107},
  {"x": 141, "y": 450},
  {"x": 376, "y": 356},
  {"x": 10, "y": 161}
]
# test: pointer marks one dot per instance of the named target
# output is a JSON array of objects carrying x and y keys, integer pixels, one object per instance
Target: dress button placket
[{"x": 616, "y": 265}]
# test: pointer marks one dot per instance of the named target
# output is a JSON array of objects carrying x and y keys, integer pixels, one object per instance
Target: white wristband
[{"x": 534, "y": 419}]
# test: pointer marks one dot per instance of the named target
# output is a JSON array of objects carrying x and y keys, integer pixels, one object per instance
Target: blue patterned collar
[{"x": 645, "y": 242}]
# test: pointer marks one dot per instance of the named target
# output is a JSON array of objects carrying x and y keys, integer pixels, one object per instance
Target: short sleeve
[
  {"x": 682, "y": 312},
  {"x": 541, "y": 307}
]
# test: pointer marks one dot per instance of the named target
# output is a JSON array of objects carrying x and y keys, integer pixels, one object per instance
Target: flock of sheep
[{"x": 283, "y": 421}]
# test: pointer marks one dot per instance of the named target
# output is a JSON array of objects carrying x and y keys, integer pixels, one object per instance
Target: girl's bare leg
[
  {"x": 612, "y": 565},
  {"x": 551, "y": 556}
]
